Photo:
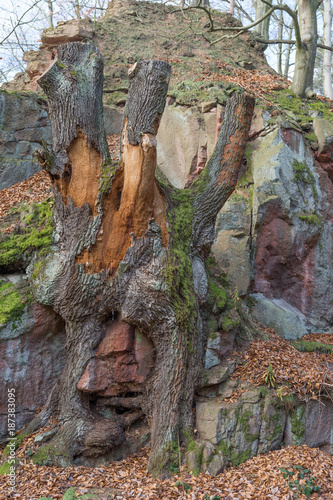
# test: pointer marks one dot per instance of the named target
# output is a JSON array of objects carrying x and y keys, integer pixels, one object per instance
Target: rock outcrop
[
  {"x": 24, "y": 124},
  {"x": 274, "y": 235},
  {"x": 230, "y": 433},
  {"x": 32, "y": 353}
]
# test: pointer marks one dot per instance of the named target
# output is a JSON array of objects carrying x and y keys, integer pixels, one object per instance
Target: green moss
[
  {"x": 275, "y": 424},
  {"x": 5, "y": 468},
  {"x": 16, "y": 440},
  {"x": 311, "y": 137},
  {"x": 179, "y": 267},
  {"x": 228, "y": 324},
  {"x": 198, "y": 451},
  {"x": 108, "y": 170},
  {"x": 315, "y": 219},
  {"x": 61, "y": 65},
  {"x": 245, "y": 426},
  {"x": 45, "y": 455},
  {"x": 239, "y": 458},
  {"x": 12, "y": 302},
  {"x": 300, "y": 107},
  {"x": 308, "y": 346},
  {"x": 224, "y": 449},
  {"x": 264, "y": 391},
  {"x": 38, "y": 234},
  {"x": 217, "y": 295},
  {"x": 297, "y": 425},
  {"x": 303, "y": 175}
]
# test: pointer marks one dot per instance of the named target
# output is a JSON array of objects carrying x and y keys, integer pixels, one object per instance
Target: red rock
[
  {"x": 96, "y": 377},
  {"x": 125, "y": 368},
  {"x": 32, "y": 358},
  {"x": 119, "y": 337}
]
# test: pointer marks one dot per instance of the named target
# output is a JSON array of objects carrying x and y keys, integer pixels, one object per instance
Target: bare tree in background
[{"x": 327, "y": 56}]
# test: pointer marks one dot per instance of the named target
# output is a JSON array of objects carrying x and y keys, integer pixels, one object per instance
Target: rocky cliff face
[
  {"x": 274, "y": 235},
  {"x": 24, "y": 124},
  {"x": 32, "y": 353}
]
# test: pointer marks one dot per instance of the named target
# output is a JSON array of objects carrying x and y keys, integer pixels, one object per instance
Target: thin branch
[
  {"x": 292, "y": 42},
  {"x": 19, "y": 22}
]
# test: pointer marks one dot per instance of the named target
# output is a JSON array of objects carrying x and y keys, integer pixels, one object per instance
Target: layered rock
[
  {"x": 24, "y": 125},
  {"x": 274, "y": 235},
  {"x": 32, "y": 354},
  {"x": 231, "y": 432}
]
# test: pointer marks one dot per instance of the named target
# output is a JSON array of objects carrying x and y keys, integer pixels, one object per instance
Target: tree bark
[
  {"x": 262, "y": 29},
  {"x": 327, "y": 55},
  {"x": 306, "y": 47},
  {"x": 131, "y": 247}
]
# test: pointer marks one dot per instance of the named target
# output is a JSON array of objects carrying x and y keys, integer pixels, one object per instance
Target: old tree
[{"x": 128, "y": 248}]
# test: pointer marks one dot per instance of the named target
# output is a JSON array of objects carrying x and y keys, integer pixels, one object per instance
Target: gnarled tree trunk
[{"x": 130, "y": 247}]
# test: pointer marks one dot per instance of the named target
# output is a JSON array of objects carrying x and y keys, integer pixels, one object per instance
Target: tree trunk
[
  {"x": 287, "y": 59},
  {"x": 280, "y": 47},
  {"x": 262, "y": 29},
  {"x": 201, "y": 3},
  {"x": 306, "y": 48},
  {"x": 50, "y": 14},
  {"x": 327, "y": 40},
  {"x": 128, "y": 247}
]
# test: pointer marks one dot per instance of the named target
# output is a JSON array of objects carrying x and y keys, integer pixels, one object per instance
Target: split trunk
[{"x": 129, "y": 250}]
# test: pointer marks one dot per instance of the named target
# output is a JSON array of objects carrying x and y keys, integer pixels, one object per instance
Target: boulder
[
  {"x": 76, "y": 30},
  {"x": 287, "y": 321}
]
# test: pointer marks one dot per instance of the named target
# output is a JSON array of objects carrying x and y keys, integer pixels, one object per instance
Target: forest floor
[{"x": 296, "y": 472}]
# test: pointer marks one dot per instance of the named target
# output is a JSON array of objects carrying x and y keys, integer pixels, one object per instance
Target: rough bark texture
[{"x": 129, "y": 249}]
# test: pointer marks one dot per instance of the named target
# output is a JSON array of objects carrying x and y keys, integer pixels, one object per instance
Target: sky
[{"x": 27, "y": 36}]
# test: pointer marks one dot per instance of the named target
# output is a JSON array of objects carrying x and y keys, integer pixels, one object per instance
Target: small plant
[
  {"x": 270, "y": 377},
  {"x": 185, "y": 486},
  {"x": 174, "y": 468},
  {"x": 303, "y": 484}
]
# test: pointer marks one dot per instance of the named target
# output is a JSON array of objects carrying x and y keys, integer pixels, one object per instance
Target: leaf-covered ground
[
  {"x": 305, "y": 472},
  {"x": 303, "y": 368}
]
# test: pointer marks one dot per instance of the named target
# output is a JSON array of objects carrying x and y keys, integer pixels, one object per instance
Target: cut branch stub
[
  {"x": 147, "y": 93},
  {"x": 73, "y": 85},
  {"x": 134, "y": 199}
]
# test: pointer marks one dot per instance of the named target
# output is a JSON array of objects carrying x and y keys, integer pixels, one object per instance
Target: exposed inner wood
[
  {"x": 80, "y": 178},
  {"x": 133, "y": 201}
]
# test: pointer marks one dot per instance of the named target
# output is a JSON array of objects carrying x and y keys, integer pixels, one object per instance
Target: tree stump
[{"x": 131, "y": 247}]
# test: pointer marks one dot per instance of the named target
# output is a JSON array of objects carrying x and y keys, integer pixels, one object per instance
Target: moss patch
[
  {"x": 297, "y": 425},
  {"x": 35, "y": 231},
  {"x": 303, "y": 175},
  {"x": 13, "y": 300},
  {"x": 308, "y": 346},
  {"x": 179, "y": 268},
  {"x": 239, "y": 458},
  {"x": 300, "y": 108}
]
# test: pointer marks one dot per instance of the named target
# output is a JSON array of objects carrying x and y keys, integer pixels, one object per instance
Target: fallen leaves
[
  {"x": 253, "y": 81},
  {"x": 259, "y": 478},
  {"x": 307, "y": 374},
  {"x": 35, "y": 189}
]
